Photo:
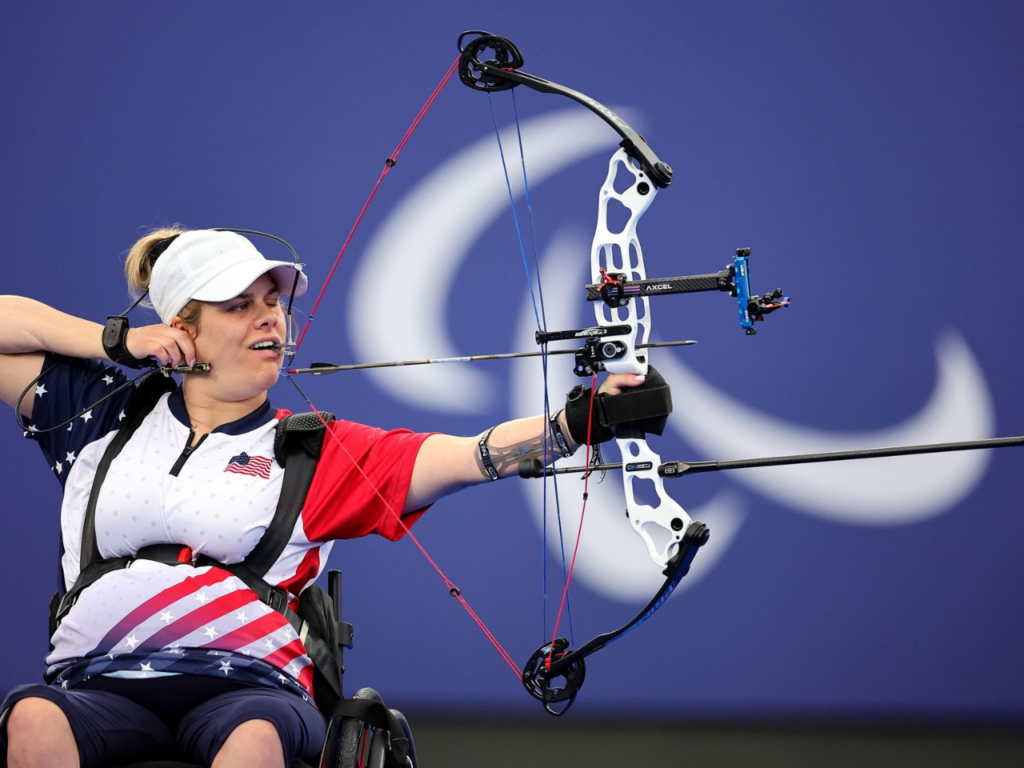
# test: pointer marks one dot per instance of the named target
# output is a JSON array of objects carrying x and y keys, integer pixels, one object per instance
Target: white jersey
[{"x": 218, "y": 499}]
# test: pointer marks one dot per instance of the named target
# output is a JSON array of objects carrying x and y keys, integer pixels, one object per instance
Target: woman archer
[{"x": 181, "y": 658}]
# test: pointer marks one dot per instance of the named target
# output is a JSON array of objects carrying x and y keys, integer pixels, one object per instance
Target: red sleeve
[{"x": 342, "y": 503}]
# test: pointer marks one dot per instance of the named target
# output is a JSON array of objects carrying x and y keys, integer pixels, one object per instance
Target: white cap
[{"x": 213, "y": 266}]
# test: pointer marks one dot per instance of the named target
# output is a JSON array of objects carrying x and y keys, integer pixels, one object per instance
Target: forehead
[{"x": 261, "y": 286}]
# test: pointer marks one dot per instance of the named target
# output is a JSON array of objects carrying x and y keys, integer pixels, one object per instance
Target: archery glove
[{"x": 644, "y": 409}]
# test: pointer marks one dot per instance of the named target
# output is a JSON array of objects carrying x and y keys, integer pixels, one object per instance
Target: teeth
[{"x": 263, "y": 345}]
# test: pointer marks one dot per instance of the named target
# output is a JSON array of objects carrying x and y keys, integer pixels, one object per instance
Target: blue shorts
[{"x": 184, "y": 717}]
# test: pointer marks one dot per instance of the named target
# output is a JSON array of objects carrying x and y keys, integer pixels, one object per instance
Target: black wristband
[
  {"x": 578, "y": 415},
  {"x": 560, "y": 441},
  {"x": 115, "y": 336},
  {"x": 485, "y": 455}
]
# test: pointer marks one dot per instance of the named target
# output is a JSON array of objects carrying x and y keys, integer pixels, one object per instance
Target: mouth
[{"x": 268, "y": 347}]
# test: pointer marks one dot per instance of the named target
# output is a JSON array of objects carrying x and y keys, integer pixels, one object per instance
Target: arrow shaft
[{"x": 320, "y": 370}]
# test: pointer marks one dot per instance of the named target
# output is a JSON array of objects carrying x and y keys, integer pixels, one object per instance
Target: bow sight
[{"x": 616, "y": 291}]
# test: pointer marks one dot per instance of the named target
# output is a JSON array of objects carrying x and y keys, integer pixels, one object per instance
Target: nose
[{"x": 269, "y": 317}]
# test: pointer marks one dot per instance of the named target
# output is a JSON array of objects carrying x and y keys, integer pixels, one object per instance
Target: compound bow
[
  {"x": 621, "y": 294},
  {"x": 616, "y": 343}
]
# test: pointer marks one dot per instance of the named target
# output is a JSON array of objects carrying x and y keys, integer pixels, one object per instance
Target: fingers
[
  {"x": 617, "y": 382},
  {"x": 186, "y": 345},
  {"x": 170, "y": 346}
]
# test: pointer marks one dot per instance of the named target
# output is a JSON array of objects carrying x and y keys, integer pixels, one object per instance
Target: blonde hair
[{"x": 138, "y": 269}]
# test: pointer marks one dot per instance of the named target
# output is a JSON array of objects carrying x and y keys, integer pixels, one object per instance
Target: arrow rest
[{"x": 538, "y": 679}]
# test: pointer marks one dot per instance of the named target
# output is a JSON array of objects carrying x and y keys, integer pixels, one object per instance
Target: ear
[{"x": 181, "y": 325}]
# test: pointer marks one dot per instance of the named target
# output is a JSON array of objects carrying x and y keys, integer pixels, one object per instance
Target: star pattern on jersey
[
  {"x": 141, "y": 494},
  {"x": 40, "y": 390}
]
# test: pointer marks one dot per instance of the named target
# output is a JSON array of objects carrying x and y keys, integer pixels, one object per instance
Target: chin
[
  {"x": 265, "y": 379},
  {"x": 272, "y": 378}
]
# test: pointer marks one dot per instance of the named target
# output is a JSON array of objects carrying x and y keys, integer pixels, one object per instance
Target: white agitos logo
[{"x": 426, "y": 238}]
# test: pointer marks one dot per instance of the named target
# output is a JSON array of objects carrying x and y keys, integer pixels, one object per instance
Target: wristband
[
  {"x": 556, "y": 431},
  {"x": 485, "y": 455},
  {"x": 115, "y": 336}
]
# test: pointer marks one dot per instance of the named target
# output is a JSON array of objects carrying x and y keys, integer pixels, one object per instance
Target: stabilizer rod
[{"x": 532, "y": 467}]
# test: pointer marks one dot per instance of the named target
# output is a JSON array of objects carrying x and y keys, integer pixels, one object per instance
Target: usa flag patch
[{"x": 244, "y": 464}]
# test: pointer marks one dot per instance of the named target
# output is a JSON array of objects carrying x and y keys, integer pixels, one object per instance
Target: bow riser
[
  {"x": 620, "y": 252},
  {"x": 640, "y": 464}
]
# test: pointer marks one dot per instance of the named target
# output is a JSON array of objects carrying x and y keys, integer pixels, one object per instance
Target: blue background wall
[{"x": 870, "y": 155}]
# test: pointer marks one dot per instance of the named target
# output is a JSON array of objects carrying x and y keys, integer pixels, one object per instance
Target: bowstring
[
  {"x": 540, "y": 316},
  {"x": 548, "y": 437},
  {"x": 453, "y": 589},
  {"x": 389, "y": 164}
]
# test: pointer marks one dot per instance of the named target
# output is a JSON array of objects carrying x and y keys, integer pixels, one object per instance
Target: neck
[{"x": 208, "y": 411}]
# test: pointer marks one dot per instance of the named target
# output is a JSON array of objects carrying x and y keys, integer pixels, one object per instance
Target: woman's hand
[
  {"x": 617, "y": 383},
  {"x": 171, "y": 346}
]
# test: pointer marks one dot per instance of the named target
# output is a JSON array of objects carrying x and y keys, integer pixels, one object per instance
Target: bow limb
[{"x": 502, "y": 72}]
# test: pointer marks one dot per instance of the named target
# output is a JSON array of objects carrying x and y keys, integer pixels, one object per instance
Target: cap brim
[{"x": 234, "y": 280}]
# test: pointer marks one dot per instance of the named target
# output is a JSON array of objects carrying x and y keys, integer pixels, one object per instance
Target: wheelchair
[{"x": 357, "y": 732}]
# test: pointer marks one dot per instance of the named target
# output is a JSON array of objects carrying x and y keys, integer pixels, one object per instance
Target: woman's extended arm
[
  {"x": 446, "y": 464},
  {"x": 29, "y": 328}
]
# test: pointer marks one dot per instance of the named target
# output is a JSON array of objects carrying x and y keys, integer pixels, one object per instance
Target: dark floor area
[{"x": 566, "y": 744}]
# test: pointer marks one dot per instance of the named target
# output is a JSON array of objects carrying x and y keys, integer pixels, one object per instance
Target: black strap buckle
[{"x": 278, "y": 599}]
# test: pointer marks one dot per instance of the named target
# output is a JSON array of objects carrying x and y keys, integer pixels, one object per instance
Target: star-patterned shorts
[{"x": 186, "y": 717}]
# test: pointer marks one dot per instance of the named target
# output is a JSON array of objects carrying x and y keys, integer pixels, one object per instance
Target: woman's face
[{"x": 227, "y": 332}]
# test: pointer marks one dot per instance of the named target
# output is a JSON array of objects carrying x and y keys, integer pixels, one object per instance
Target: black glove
[{"x": 645, "y": 409}]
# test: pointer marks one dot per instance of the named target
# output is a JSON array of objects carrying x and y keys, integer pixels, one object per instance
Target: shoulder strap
[
  {"x": 144, "y": 399},
  {"x": 297, "y": 445}
]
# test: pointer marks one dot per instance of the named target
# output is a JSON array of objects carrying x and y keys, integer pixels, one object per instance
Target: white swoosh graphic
[
  {"x": 612, "y": 560},
  {"x": 418, "y": 249},
  {"x": 867, "y": 492}
]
